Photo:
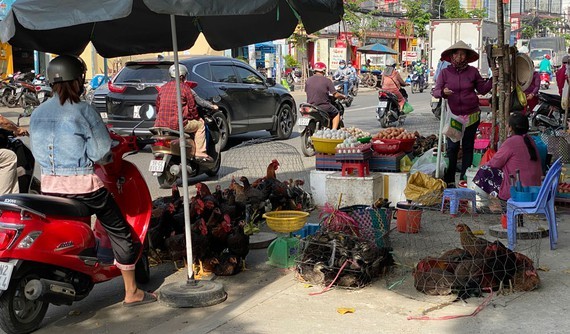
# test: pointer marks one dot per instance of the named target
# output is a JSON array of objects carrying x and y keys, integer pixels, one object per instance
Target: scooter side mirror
[{"x": 147, "y": 112}]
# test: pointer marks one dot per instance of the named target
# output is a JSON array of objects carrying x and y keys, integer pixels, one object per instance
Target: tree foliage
[{"x": 416, "y": 13}]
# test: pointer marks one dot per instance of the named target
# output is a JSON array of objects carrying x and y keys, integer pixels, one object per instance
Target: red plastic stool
[{"x": 362, "y": 166}]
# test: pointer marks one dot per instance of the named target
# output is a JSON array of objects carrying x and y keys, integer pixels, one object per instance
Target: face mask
[{"x": 342, "y": 66}]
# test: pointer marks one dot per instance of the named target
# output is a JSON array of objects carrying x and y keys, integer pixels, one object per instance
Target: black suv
[{"x": 249, "y": 102}]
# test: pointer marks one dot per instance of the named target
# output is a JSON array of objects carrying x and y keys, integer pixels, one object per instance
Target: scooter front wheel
[{"x": 18, "y": 314}]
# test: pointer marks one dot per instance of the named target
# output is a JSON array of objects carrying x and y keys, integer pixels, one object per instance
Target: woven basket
[
  {"x": 373, "y": 223},
  {"x": 286, "y": 221}
]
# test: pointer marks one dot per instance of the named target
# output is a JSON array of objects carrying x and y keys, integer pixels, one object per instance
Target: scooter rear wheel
[
  {"x": 17, "y": 313},
  {"x": 306, "y": 145},
  {"x": 166, "y": 180}
]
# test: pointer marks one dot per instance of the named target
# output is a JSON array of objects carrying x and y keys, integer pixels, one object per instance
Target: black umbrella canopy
[{"x": 125, "y": 27}]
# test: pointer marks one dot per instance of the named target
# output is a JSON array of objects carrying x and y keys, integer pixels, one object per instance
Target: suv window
[
  {"x": 247, "y": 76},
  {"x": 144, "y": 73},
  {"x": 203, "y": 70},
  {"x": 223, "y": 73}
]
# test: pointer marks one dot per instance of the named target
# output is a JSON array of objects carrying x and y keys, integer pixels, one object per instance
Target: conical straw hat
[{"x": 471, "y": 54}]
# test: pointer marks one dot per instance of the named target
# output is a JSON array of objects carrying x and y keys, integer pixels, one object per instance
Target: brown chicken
[
  {"x": 432, "y": 277},
  {"x": 225, "y": 265},
  {"x": 500, "y": 263},
  {"x": 474, "y": 245},
  {"x": 526, "y": 278},
  {"x": 249, "y": 195}
]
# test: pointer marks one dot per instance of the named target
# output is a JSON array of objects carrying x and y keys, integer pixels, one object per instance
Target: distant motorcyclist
[
  {"x": 319, "y": 91},
  {"x": 419, "y": 68},
  {"x": 353, "y": 76},
  {"x": 392, "y": 81},
  {"x": 343, "y": 74},
  {"x": 167, "y": 112},
  {"x": 545, "y": 65}
]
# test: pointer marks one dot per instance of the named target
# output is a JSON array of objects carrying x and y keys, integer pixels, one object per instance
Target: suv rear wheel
[{"x": 285, "y": 124}]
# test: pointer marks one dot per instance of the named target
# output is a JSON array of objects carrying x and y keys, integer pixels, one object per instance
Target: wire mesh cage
[
  {"x": 462, "y": 254},
  {"x": 337, "y": 259},
  {"x": 239, "y": 161}
]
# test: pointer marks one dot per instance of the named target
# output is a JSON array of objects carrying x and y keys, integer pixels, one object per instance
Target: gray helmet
[
  {"x": 181, "y": 68},
  {"x": 66, "y": 68}
]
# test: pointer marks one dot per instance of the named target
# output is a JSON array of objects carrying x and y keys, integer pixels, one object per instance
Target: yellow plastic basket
[
  {"x": 286, "y": 221},
  {"x": 324, "y": 145}
]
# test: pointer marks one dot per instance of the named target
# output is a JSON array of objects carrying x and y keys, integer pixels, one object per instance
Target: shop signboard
[
  {"x": 336, "y": 55},
  {"x": 409, "y": 56}
]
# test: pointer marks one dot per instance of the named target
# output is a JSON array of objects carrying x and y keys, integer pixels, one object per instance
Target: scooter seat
[
  {"x": 48, "y": 205},
  {"x": 551, "y": 99}
]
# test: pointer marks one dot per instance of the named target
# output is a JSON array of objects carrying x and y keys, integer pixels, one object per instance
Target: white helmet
[
  {"x": 390, "y": 61},
  {"x": 181, "y": 68}
]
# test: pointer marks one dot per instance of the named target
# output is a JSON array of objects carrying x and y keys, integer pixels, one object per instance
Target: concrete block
[
  {"x": 355, "y": 190},
  {"x": 393, "y": 185},
  {"x": 318, "y": 186}
]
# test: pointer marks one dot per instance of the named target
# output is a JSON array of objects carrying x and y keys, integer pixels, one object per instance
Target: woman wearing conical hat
[{"x": 460, "y": 83}]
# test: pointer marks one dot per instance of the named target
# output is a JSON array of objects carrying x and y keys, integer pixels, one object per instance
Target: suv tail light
[
  {"x": 6, "y": 237},
  {"x": 116, "y": 88}
]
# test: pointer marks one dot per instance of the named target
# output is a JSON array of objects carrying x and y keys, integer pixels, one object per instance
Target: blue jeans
[{"x": 345, "y": 83}]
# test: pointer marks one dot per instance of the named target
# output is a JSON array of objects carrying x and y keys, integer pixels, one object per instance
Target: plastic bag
[
  {"x": 424, "y": 189},
  {"x": 405, "y": 164},
  {"x": 426, "y": 163},
  {"x": 454, "y": 125},
  {"x": 518, "y": 99},
  {"x": 564, "y": 97},
  {"x": 487, "y": 156},
  {"x": 407, "y": 108}
]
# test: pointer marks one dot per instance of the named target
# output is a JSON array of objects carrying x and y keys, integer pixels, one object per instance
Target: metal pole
[
  {"x": 442, "y": 118},
  {"x": 182, "y": 152}
]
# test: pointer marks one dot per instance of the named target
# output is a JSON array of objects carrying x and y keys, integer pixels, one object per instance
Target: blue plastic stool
[{"x": 455, "y": 195}]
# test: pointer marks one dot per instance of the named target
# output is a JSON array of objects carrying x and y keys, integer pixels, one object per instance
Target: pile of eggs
[{"x": 331, "y": 134}]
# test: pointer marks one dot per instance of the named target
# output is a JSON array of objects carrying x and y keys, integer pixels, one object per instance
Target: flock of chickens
[
  {"x": 334, "y": 258},
  {"x": 219, "y": 241},
  {"x": 480, "y": 265}
]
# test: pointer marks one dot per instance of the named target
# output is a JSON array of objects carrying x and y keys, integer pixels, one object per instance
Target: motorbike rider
[
  {"x": 343, "y": 74},
  {"x": 392, "y": 81},
  {"x": 67, "y": 137},
  {"x": 319, "y": 91},
  {"x": 352, "y": 77},
  {"x": 419, "y": 68},
  {"x": 167, "y": 110},
  {"x": 545, "y": 65}
]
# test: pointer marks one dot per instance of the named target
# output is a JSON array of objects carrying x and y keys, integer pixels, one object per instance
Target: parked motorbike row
[{"x": 25, "y": 90}]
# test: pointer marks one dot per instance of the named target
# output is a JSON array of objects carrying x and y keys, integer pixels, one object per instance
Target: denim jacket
[{"x": 68, "y": 139}]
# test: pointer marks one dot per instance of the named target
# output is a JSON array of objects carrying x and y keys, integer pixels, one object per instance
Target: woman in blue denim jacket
[{"x": 68, "y": 136}]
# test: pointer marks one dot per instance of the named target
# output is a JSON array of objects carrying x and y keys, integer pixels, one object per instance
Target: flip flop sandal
[{"x": 148, "y": 298}]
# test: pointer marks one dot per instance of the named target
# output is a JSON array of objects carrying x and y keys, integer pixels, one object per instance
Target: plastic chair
[
  {"x": 455, "y": 195},
  {"x": 544, "y": 204}
]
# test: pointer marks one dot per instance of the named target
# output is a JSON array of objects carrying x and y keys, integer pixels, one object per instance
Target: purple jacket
[{"x": 464, "y": 100}]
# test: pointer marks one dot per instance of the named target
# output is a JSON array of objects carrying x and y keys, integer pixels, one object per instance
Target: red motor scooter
[
  {"x": 544, "y": 80},
  {"x": 50, "y": 254}
]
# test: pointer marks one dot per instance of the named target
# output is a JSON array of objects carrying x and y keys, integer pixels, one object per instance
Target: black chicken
[
  {"x": 238, "y": 243},
  {"x": 500, "y": 263}
]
